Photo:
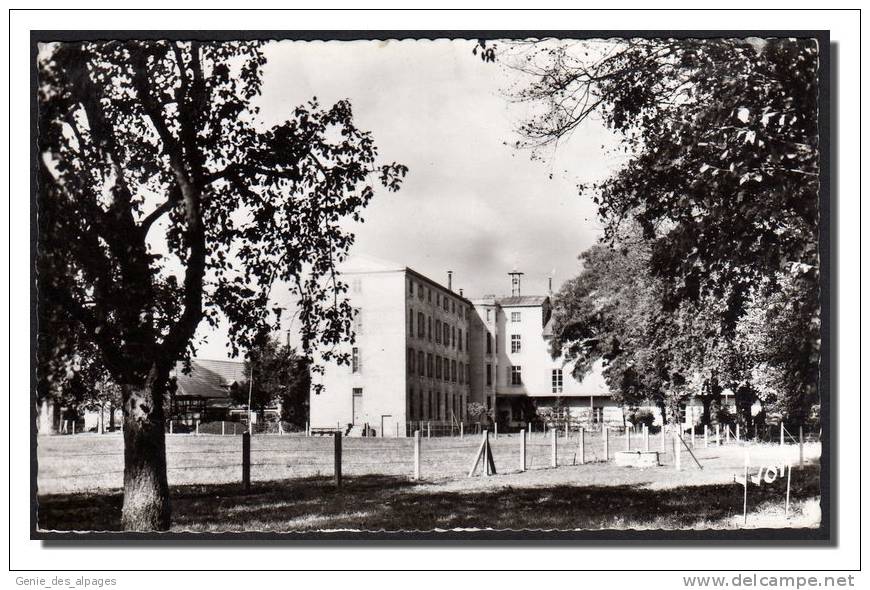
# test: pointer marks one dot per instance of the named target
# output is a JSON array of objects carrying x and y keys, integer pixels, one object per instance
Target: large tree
[
  {"x": 164, "y": 200},
  {"x": 720, "y": 168}
]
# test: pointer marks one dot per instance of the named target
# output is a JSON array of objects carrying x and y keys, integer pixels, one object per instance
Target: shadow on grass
[{"x": 376, "y": 503}]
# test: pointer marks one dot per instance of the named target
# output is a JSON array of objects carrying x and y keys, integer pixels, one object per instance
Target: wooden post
[
  {"x": 800, "y": 447},
  {"x": 397, "y": 430},
  {"x": 745, "y": 484},
  {"x": 627, "y": 438},
  {"x": 495, "y": 427},
  {"x": 428, "y": 430},
  {"x": 417, "y": 455},
  {"x": 787, "y": 489},
  {"x": 727, "y": 433},
  {"x": 664, "y": 438},
  {"x": 606, "y": 432},
  {"x": 566, "y": 430},
  {"x": 223, "y": 428},
  {"x": 582, "y": 444},
  {"x": 693, "y": 435},
  {"x": 480, "y": 454},
  {"x": 737, "y": 432},
  {"x": 782, "y": 434},
  {"x": 706, "y": 437},
  {"x": 461, "y": 430},
  {"x": 170, "y": 427},
  {"x": 246, "y": 460},
  {"x": 718, "y": 439},
  {"x": 677, "y": 450},
  {"x": 645, "y": 438},
  {"x": 522, "y": 450},
  {"x": 338, "y": 459},
  {"x": 554, "y": 458}
]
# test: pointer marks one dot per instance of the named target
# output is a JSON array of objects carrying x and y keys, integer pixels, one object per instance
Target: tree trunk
[{"x": 146, "y": 490}]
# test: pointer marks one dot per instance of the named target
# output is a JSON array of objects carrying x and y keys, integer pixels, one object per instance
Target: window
[
  {"x": 421, "y": 325},
  {"x": 446, "y": 304},
  {"x": 412, "y": 357},
  {"x": 429, "y": 295},
  {"x": 452, "y": 336},
  {"x": 488, "y": 374},
  {"x": 357, "y": 391},
  {"x": 453, "y": 307},
  {"x": 411, "y": 323},
  {"x": 515, "y": 316},
  {"x": 516, "y": 343},
  {"x": 420, "y": 295},
  {"x": 430, "y": 328},
  {"x": 488, "y": 316},
  {"x": 466, "y": 341},
  {"x": 411, "y": 415},
  {"x": 438, "y": 331},
  {"x": 488, "y": 343},
  {"x": 411, "y": 288},
  {"x": 430, "y": 366},
  {"x": 446, "y": 335},
  {"x": 438, "y": 371},
  {"x": 453, "y": 371},
  {"x": 516, "y": 373},
  {"x": 429, "y": 405},
  {"x": 438, "y": 299},
  {"x": 356, "y": 285},
  {"x": 357, "y": 320},
  {"x": 461, "y": 374},
  {"x": 421, "y": 363},
  {"x": 557, "y": 380},
  {"x": 355, "y": 361},
  {"x": 460, "y": 339}
]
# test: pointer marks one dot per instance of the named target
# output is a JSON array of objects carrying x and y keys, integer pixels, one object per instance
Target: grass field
[{"x": 80, "y": 478}]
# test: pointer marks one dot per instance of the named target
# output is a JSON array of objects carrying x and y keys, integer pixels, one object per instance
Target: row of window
[
  {"x": 516, "y": 316},
  {"x": 445, "y": 334},
  {"x": 435, "y": 405},
  {"x": 436, "y": 367},
  {"x": 515, "y": 377},
  {"x": 443, "y": 302}
]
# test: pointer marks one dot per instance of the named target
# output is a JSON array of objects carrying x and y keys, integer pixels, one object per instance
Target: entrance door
[
  {"x": 388, "y": 427},
  {"x": 357, "y": 405}
]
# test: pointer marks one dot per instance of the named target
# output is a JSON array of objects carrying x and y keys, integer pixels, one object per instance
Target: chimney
[
  {"x": 550, "y": 287},
  {"x": 515, "y": 282},
  {"x": 449, "y": 280},
  {"x": 461, "y": 294}
]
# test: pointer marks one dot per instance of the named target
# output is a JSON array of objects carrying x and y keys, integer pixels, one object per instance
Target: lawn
[{"x": 80, "y": 478}]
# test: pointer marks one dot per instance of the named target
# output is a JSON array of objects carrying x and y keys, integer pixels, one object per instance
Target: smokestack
[
  {"x": 449, "y": 280},
  {"x": 515, "y": 282},
  {"x": 550, "y": 287}
]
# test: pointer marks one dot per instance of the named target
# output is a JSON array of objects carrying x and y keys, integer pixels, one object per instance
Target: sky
[{"x": 470, "y": 203}]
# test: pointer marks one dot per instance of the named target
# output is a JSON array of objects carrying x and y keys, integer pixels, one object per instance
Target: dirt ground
[{"x": 80, "y": 477}]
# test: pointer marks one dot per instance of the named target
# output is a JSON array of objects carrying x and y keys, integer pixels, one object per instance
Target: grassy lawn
[{"x": 80, "y": 478}]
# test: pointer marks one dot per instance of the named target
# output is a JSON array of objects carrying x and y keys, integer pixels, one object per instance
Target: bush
[{"x": 642, "y": 417}]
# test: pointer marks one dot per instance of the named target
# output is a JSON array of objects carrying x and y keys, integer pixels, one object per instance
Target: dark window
[
  {"x": 460, "y": 339},
  {"x": 411, "y": 323},
  {"x": 430, "y": 329},
  {"x": 421, "y": 363},
  {"x": 421, "y": 325},
  {"x": 412, "y": 357},
  {"x": 516, "y": 375},
  {"x": 488, "y": 343},
  {"x": 411, "y": 287},
  {"x": 489, "y": 374},
  {"x": 453, "y": 371},
  {"x": 438, "y": 331},
  {"x": 430, "y": 366}
]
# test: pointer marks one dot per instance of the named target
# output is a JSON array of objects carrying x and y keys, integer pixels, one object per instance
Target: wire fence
[{"x": 91, "y": 461}]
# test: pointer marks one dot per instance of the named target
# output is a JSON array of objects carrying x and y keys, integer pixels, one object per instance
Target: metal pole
[
  {"x": 582, "y": 446},
  {"x": 627, "y": 438},
  {"x": 417, "y": 455},
  {"x": 428, "y": 430},
  {"x": 606, "y": 443},
  {"x": 522, "y": 450},
  {"x": 782, "y": 434},
  {"x": 553, "y": 459},
  {"x": 338, "y": 459}
]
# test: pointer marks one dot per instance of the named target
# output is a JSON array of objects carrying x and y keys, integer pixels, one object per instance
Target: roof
[
  {"x": 548, "y": 327},
  {"x": 208, "y": 379},
  {"x": 522, "y": 300}
]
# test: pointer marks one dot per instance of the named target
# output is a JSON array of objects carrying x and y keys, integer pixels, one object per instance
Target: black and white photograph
[{"x": 535, "y": 285}]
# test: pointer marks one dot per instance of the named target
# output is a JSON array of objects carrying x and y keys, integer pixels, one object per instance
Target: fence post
[
  {"x": 223, "y": 428},
  {"x": 554, "y": 458},
  {"x": 566, "y": 430},
  {"x": 417, "y": 455},
  {"x": 606, "y": 432},
  {"x": 246, "y": 460},
  {"x": 782, "y": 434},
  {"x": 801, "y": 446},
  {"x": 677, "y": 450},
  {"x": 706, "y": 437},
  {"x": 197, "y": 427},
  {"x": 170, "y": 427},
  {"x": 397, "y": 430},
  {"x": 718, "y": 438},
  {"x": 522, "y": 450},
  {"x": 737, "y": 431},
  {"x": 428, "y": 430},
  {"x": 627, "y": 438},
  {"x": 461, "y": 430},
  {"x": 664, "y": 437},
  {"x": 582, "y": 446},
  {"x": 693, "y": 435},
  {"x": 338, "y": 459},
  {"x": 645, "y": 438},
  {"x": 495, "y": 425},
  {"x": 727, "y": 433}
]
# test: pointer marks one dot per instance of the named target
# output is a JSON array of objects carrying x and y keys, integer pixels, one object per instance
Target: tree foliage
[
  {"x": 280, "y": 378},
  {"x": 164, "y": 200}
]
